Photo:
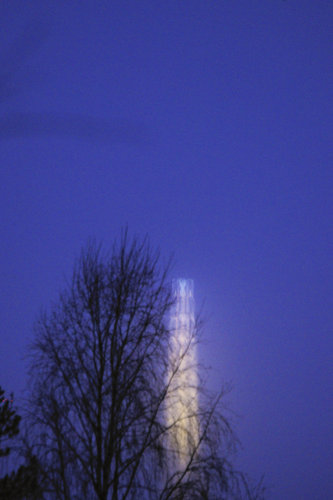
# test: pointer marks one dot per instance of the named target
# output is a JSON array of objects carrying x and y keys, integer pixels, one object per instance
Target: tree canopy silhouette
[
  {"x": 100, "y": 381},
  {"x": 22, "y": 483}
]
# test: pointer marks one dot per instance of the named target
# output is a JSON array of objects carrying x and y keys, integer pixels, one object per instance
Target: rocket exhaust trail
[{"x": 182, "y": 407}]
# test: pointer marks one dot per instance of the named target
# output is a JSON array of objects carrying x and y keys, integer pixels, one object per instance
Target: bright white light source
[{"x": 182, "y": 407}]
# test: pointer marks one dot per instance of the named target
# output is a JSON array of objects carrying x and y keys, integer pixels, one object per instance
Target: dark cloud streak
[
  {"x": 27, "y": 124},
  {"x": 22, "y": 125},
  {"x": 31, "y": 38}
]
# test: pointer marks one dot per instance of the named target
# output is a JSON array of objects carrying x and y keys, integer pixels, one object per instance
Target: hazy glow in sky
[
  {"x": 207, "y": 126},
  {"x": 183, "y": 400}
]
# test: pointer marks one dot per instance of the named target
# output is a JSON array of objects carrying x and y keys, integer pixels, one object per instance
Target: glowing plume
[{"x": 182, "y": 407}]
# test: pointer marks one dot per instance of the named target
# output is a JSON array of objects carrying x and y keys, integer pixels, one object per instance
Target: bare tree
[{"x": 100, "y": 381}]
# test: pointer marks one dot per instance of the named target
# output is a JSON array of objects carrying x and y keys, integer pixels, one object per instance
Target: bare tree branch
[{"x": 100, "y": 384}]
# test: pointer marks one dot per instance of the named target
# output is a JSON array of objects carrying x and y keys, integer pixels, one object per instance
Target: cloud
[
  {"x": 75, "y": 125},
  {"x": 30, "y": 39},
  {"x": 66, "y": 124}
]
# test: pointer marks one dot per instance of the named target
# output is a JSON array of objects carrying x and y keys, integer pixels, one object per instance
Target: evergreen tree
[
  {"x": 23, "y": 483},
  {"x": 9, "y": 423}
]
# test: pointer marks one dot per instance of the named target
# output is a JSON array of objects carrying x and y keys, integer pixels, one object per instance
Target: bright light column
[{"x": 182, "y": 407}]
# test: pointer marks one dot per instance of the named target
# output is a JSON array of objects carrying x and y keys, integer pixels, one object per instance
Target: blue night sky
[{"x": 207, "y": 125}]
